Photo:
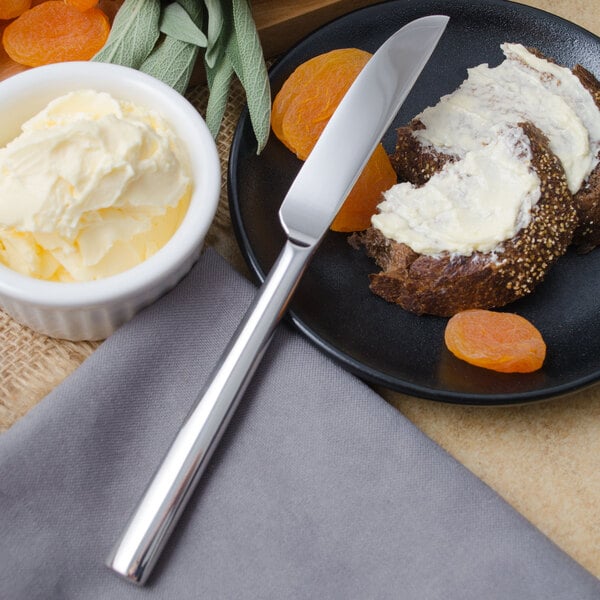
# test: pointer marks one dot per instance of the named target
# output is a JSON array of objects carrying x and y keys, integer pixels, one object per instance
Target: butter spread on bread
[
  {"x": 524, "y": 87},
  {"x": 563, "y": 104},
  {"x": 471, "y": 204}
]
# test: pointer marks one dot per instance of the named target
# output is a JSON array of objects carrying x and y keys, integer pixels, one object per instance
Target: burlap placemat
[{"x": 32, "y": 364}]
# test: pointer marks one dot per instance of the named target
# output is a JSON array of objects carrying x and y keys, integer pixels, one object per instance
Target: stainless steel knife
[{"x": 313, "y": 200}]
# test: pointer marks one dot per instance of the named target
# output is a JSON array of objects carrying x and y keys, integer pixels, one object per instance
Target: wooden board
[{"x": 282, "y": 23}]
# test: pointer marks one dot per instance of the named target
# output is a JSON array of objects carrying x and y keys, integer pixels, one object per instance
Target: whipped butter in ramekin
[
  {"x": 119, "y": 209},
  {"x": 90, "y": 188}
]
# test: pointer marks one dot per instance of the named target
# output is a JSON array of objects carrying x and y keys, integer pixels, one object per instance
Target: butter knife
[{"x": 314, "y": 198}]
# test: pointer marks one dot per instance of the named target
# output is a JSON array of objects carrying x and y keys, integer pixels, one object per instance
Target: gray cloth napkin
[{"x": 319, "y": 488}]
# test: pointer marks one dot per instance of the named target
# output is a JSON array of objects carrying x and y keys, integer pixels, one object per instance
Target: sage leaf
[
  {"x": 167, "y": 47},
  {"x": 177, "y": 23},
  {"x": 219, "y": 91},
  {"x": 245, "y": 53},
  {"x": 173, "y": 60},
  {"x": 218, "y": 76},
  {"x": 213, "y": 32},
  {"x": 219, "y": 82},
  {"x": 133, "y": 35}
]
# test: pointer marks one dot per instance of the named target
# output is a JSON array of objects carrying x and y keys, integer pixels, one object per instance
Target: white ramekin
[{"x": 93, "y": 310}]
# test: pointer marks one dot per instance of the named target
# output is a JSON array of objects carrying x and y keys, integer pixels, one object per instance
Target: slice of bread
[
  {"x": 446, "y": 283},
  {"x": 416, "y": 158}
]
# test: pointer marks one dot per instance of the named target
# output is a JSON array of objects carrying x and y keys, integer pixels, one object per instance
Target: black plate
[{"x": 333, "y": 306}]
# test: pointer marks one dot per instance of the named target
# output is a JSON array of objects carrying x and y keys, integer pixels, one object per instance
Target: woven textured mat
[{"x": 31, "y": 364}]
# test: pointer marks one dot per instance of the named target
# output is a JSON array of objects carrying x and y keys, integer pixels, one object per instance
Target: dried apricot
[
  {"x": 504, "y": 342},
  {"x": 9, "y": 9},
  {"x": 304, "y": 106},
  {"x": 82, "y": 4},
  {"x": 55, "y": 32},
  {"x": 377, "y": 176},
  {"x": 311, "y": 94}
]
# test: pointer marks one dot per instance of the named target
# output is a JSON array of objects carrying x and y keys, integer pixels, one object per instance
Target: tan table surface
[{"x": 544, "y": 459}]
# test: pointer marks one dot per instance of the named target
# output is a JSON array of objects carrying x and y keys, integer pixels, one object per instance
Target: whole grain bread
[{"x": 446, "y": 284}]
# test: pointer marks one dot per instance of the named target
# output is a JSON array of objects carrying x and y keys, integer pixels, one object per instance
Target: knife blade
[
  {"x": 355, "y": 129},
  {"x": 315, "y": 196}
]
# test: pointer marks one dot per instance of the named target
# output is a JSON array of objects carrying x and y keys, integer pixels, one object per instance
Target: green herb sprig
[{"x": 166, "y": 41}]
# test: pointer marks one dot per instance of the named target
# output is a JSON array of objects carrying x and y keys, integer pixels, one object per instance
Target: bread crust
[
  {"x": 414, "y": 162},
  {"x": 587, "y": 199},
  {"x": 446, "y": 284}
]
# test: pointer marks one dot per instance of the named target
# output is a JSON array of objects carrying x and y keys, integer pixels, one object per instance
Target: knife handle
[{"x": 161, "y": 505}]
